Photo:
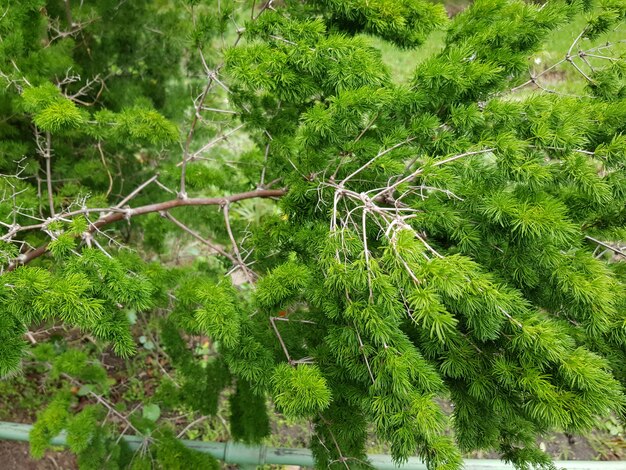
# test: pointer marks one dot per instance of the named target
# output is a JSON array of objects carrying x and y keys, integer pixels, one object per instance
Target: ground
[
  {"x": 607, "y": 442},
  {"x": 15, "y": 456}
]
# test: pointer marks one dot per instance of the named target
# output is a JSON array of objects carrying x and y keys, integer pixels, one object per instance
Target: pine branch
[{"x": 110, "y": 218}]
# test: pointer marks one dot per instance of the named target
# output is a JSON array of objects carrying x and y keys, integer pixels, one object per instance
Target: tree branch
[
  {"x": 198, "y": 237},
  {"x": 46, "y": 152},
  {"x": 104, "y": 164},
  {"x": 240, "y": 260},
  {"x": 151, "y": 208},
  {"x": 194, "y": 123},
  {"x": 614, "y": 249}
]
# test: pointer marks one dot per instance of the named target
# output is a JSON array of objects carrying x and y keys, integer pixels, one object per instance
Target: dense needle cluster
[{"x": 374, "y": 246}]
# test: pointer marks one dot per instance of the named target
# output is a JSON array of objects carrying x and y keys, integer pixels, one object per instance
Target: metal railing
[{"x": 249, "y": 457}]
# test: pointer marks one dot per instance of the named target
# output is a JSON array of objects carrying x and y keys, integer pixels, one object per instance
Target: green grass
[
  {"x": 402, "y": 62},
  {"x": 563, "y": 78}
]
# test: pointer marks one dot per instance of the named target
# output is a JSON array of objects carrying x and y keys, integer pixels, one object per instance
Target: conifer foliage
[{"x": 368, "y": 247}]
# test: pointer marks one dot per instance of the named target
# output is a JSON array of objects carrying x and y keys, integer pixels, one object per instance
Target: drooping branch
[{"x": 152, "y": 208}]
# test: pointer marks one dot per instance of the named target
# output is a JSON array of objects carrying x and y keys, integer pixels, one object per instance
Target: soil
[{"x": 15, "y": 456}]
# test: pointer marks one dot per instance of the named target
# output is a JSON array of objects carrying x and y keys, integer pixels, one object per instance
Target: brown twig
[
  {"x": 190, "y": 425},
  {"x": 380, "y": 154},
  {"x": 192, "y": 128},
  {"x": 280, "y": 340},
  {"x": 265, "y": 157},
  {"x": 106, "y": 404},
  {"x": 249, "y": 275},
  {"x": 151, "y": 208},
  {"x": 68, "y": 14},
  {"x": 197, "y": 236},
  {"x": 342, "y": 459},
  {"x": 46, "y": 152},
  {"x": 136, "y": 191},
  {"x": 362, "y": 348},
  {"x": 106, "y": 168},
  {"x": 389, "y": 189},
  {"x": 206, "y": 146}
]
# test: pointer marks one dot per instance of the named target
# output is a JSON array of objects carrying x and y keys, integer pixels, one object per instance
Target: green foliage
[
  {"x": 284, "y": 283},
  {"x": 12, "y": 345},
  {"x": 59, "y": 115},
  {"x": 62, "y": 245},
  {"x": 137, "y": 124},
  {"x": 300, "y": 391},
  {"x": 218, "y": 317},
  {"x": 405, "y": 23},
  {"x": 52, "y": 111},
  {"x": 49, "y": 424},
  {"x": 456, "y": 238},
  {"x": 77, "y": 364},
  {"x": 171, "y": 453},
  {"x": 82, "y": 428},
  {"x": 249, "y": 421},
  {"x": 202, "y": 383}
]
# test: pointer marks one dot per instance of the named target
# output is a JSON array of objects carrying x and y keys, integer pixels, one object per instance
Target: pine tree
[{"x": 373, "y": 246}]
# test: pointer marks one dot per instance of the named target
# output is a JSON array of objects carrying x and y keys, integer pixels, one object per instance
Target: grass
[
  {"x": 402, "y": 62},
  {"x": 563, "y": 78},
  {"x": 566, "y": 78}
]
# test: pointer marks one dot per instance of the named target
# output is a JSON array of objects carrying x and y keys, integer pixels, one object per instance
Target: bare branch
[
  {"x": 280, "y": 339},
  {"x": 45, "y": 150},
  {"x": 104, "y": 164},
  {"x": 614, "y": 249},
  {"x": 194, "y": 123},
  {"x": 118, "y": 215},
  {"x": 197, "y": 236},
  {"x": 136, "y": 191},
  {"x": 265, "y": 157},
  {"x": 208, "y": 145},
  {"x": 362, "y": 348},
  {"x": 410, "y": 177},
  {"x": 106, "y": 404},
  {"x": 240, "y": 260},
  {"x": 372, "y": 160}
]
